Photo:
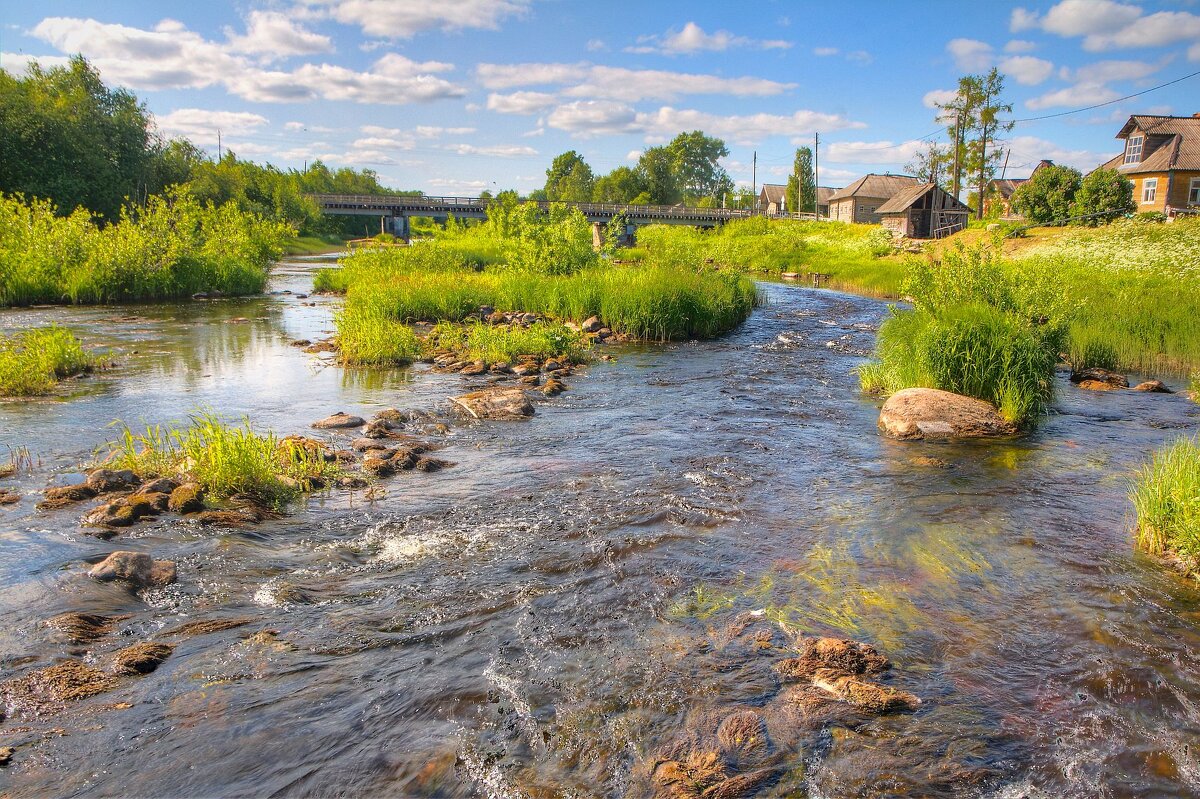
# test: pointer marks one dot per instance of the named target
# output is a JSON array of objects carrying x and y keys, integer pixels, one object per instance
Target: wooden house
[
  {"x": 1162, "y": 159},
  {"x": 772, "y": 199},
  {"x": 823, "y": 195},
  {"x": 999, "y": 194},
  {"x": 924, "y": 211},
  {"x": 861, "y": 200}
]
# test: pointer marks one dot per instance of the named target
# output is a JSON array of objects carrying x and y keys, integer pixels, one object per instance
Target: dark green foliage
[
  {"x": 569, "y": 179},
  {"x": 1103, "y": 191},
  {"x": 801, "y": 185},
  {"x": 1048, "y": 195}
]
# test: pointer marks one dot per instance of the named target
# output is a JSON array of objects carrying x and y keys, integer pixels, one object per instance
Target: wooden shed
[
  {"x": 924, "y": 211},
  {"x": 772, "y": 200}
]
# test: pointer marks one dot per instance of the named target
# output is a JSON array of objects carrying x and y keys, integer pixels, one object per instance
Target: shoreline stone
[
  {"x": 498, "y": 403},
  {"x": 916, "y": 413},
  {"x": 136, "y": 568},
  {"x": 339, "y": 421}
]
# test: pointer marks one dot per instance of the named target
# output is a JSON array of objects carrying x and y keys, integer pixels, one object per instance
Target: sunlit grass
[
  {"x": 1166, "y": 496},
  {"x": 33, "y": 361},
  {"x": 503, "y": 344}
]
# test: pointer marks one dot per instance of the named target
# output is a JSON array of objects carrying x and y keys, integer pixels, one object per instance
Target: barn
[{"x": 924, "y": 211}]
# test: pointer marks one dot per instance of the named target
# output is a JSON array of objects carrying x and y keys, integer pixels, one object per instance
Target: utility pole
[
  {"x": 957, "y": 173},
  {"x": 1004, "y": 169},
  {"x": 218, "y": 145},
  {"x": 816, "y": 174},
  {"x": 754, "y": 178}
]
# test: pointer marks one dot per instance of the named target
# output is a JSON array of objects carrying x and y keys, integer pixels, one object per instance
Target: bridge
[{"x": 395, "y": 211}]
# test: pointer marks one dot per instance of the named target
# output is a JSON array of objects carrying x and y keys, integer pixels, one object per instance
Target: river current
[{"x": 537, "y": 621}]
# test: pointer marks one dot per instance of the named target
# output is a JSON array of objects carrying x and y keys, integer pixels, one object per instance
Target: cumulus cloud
[
  {"x": 172, "y": 57},
  {"x": 521, "y": 102},
  {"x": 587, "y": 118},
  {"x": 597, "y": 82},
  {"x": 874, "y": 152},
  {"x": 691, "y": 39},
  {"x": 1022, "y": 19},
  {"x": 1194, "y": 52},
  {"x": 18, "y": 63},
  {"x": 1019, "y": 46},
  {"x": 973, "y": 55},
  {"x": 825, "y": 52},
  {"x": 402, "y": 19},
  {"x": 1084, "y": 17},
  {"x": 495, "y": 150},
  {"x": 201, "y": 125},
  {"x": 938, "y": 97},
  {"x": 1107, "y": 24},
  {"x": 970, "y": 54},
  {"x": 274, "y": 34},
  {"x": 1105, "y": 71},
  {"x": 510, "y": 76},
  {"x": 1081, "y": 94},
  {"x": 1026, "y": 69},
  {"x": 433, "y": 131},
  {"x": 1028, "y": 150}
]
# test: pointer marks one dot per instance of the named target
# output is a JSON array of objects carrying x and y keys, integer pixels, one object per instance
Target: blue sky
[{"x": 456, "y": 96}]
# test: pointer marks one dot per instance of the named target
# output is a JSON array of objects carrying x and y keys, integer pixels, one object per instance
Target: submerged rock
[
  {"x": 553, "y": 387},
  {"x": 9, "y": 497},
  {"x": 126, "y": 511},
  {"x": 743, "y": 738},
  {"x": 1096, "y": 379},
  {"x": 191, "y": 628},
  {"x": 496, "y": 403},
  {"x": 339, "y": 421},
  {"x": 187, "y": 498},
  {"x": 863, "y": 694},
  {"x": 141, "y": 658},
  {"x": 931, "y": 413},
  {"x": 137, "y": 568},
  {"x": 81, "y": 628},
  {"x": 840, "y": 654},
  {"x": 1153, "y": 387},
  {"x": 61, "y": 496},
  {"x": 159, "y": 485},
  {"x": 64, "y": 682}
]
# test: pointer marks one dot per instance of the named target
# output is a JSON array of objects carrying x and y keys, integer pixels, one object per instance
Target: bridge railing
[{"x": 418, "y": 203}]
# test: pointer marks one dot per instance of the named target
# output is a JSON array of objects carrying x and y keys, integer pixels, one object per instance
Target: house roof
[
  {"x": 773, "y": 192},
  {"x": 823, "y": 194},
  {"x": 1005, "y": 188},
  {"x": 1171, "y": 143},
  {"x": 903, "y": 200},
  {"x": 881, "y": 186}
]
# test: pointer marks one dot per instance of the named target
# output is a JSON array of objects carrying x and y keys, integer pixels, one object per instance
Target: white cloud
[
  {"x": 1026, "y": 69},
  {"x": 936, "y": 97},
  {"x": 538, "y": 131},
  {"x": 433, "y": 132},
  {"x": 496, "y": 150},
  {"x": 509, "y": 76},
  {"x": 201, "y": 125},
  {"x": 459, "y": 185},
  {"x": 1019, "y": 46},
  {"x": 596, "y": 46},
  {"x": 521, "y": 102},
  {"x": 1105, "y": 71},
  {"x": 1022, "y": 19},
  {"x": 970, "y": 54},
  {"x": 171, "y": 57},
  {"x": 402, "y": 19},
  {"x": 824, "y": 52},
  {"x": 1081, "y": 94},
  {"x": 1194, "y": 52},
  {"x": 874, "y": 152},
  {"x": 1084, "y": 17},
  {"x": 587, "y": 118},
  {"x": 1106, "y": 25},
  {"x": 860, "y": 57},
  {"x": 1028, "y": 150},
  {"x": 692, "y": 39},
  {"x": 595, "y": 82},
  {"x": 1156, "y": 30},
  {"x": 17, "y": 63},
  {"x": 379, "y": 130},
  {"x": 274, "y": 34},
  {"x": 380, "y": 143},
  {"x": 634, "y": 155},
  {"x": 307, "y": 127}
]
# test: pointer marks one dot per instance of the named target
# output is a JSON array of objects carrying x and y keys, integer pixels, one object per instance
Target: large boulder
[
  {"x": 1153, "y": 387},
  {"x": 339, "y": 421},
  {"x": 137, "y": 568},
  {"x": 932, "y": 413},
  {"x": 496, "y": 403},
  {"x": 1096, "y": 379}
]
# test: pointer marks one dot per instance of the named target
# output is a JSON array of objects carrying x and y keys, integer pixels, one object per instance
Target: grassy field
[
  {"x": 313, "y": 245},
  {"x": 171, "y": 247},
  {"x": 33, "y": 361}
]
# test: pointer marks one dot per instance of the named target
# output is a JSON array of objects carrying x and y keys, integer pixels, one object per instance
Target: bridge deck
[{"x": 475, "y": 206}]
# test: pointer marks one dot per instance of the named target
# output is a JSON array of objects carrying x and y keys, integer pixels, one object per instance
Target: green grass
[
  {"x": 223, "y": 458},
  {"x": 1166, "y": 496},
  {"x": 368, "y": 336},
  {"x": 33, "y": 361},
  {"x": 171, "y": 247},
  {"x": 313, "y": 245},
  {"x": 503, "y": 344}
]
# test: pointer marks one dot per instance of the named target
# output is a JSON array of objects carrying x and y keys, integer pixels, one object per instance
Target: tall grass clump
[
  {"x": 33, "y": 361},
  {"x": 369, "y": 336},
  {"x": 502, "y": 344},
  {"x": 225, "y": 459},
  {"x": 974, "y": 329},
  {"x": 171, "y": 247},
  {"x": 1166, "y": 496}
]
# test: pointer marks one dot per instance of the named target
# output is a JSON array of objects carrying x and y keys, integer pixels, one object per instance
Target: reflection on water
[{"x": 546, "y": 617}]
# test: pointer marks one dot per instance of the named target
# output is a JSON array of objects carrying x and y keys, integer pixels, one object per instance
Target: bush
[
  {"x": 1104, "y": 191},
  {"x": 1048, "y": 194},
  {"x": 33, "y": 361},
  {"x": 1166, "y": 496}
]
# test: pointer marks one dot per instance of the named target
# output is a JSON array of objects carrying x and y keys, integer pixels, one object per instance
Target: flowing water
[{"x": 539, "y": 620}]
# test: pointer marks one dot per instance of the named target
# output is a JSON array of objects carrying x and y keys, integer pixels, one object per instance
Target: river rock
[
  {"x": 474, "y": 368},
  {"x": 553, "y": 387},
  {"x": 102, "y": 481},
  {"x": 862, "y": 694},
  {"x": 743, "y": 738},
  {"x": 160, "y": 485},
  {"x": 136, "y": 568},
  {"x": 364, "y": 444},
  {"x": 9, "y": 497},
  {"x": 339, "y": 421},
  {"x": 1096, "y": 379},
  {"x": 63, "y": 682},
  {"x": 141, "y": 658},
  {"x": 496, "y": 403},
  {"x": 59, "y": 496},
  {"x": 384, "y": 428},
  {"x": 496, "y": 318},
  {"x": 1153, "y": 387},
  {"x": 552, "y": 365},
  {"x": 591, "y": 325},
  {"x": 431, "y": 464},
  {"x": 932, "y": 413},
  {"x": 187, "y": 498},
  {"x": 6, "y": 755},
  {"x": 126, "y": 511},
  {"x": 526, "y": 368}
]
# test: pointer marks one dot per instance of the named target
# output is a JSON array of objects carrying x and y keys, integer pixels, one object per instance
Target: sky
[{"x": 459, "y": 96}]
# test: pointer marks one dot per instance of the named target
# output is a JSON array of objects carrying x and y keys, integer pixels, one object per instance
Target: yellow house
[{"x": 1162, "y": 159}]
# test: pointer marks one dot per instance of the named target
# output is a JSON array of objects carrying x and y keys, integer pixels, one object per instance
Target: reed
[
  {"x": 502, "y": 344},
  {"x": 1166, "y": 497},
  {"x": 33, "y": 361},
  {"x": 225, "y": 459}
]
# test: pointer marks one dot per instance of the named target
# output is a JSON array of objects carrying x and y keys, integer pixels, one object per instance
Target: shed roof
[
  {"x": 882, "y": 186},
  {"x": 773, "y": 192},
  {"x": 1171, "y": 143},
  {"x": 902, "y": 201},
  {"x": 823, "y": 194}
]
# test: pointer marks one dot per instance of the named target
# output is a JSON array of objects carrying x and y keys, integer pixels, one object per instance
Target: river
[{"x": 538, "y": 620}]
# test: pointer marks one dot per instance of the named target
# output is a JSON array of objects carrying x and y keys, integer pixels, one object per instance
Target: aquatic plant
[
  {"x": 369, "y": 336},
  {"x": 504, "y": 344},
  {"x": 1166, "y": 496},
  {"x": 170, "y": 247},
  {"x": 223, "y": 458},
  {"x": 33, "y": 361}
]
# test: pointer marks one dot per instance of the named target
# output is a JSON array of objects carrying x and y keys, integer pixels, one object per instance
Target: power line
[{"x": 1110, "y": 102}]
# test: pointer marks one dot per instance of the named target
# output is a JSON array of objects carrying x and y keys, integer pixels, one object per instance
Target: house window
[
  {"x": 1194, "y": 192},
  {"x": 1149, "y": 189},
  {"x": 1133, "y": 149}
]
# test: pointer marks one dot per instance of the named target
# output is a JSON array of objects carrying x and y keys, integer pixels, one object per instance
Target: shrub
[
  {"x": 1166, "y": 496},
  {"x": 1048, "y": 194},
  {"x": 33, "y": 361},
  {"x": 1104, "y": 191}
]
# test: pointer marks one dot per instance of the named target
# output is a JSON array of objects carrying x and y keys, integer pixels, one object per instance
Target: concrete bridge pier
[{"x": 397, "y": 225}]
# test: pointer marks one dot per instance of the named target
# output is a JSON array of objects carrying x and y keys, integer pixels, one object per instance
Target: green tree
[
  {"x": 1047, "y": 196},
  {"x": 696, "y": 164},
  {"x": 932, "y": 165},
  {"x": 657, "y": 170},
  {"x": 569, "y": 179},
  {"x": 981, "y": 113},
  {"x": 619, "y": 186},
  {"x": 1103, "y": 191},
  {"x": 802, "y": 185}
]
